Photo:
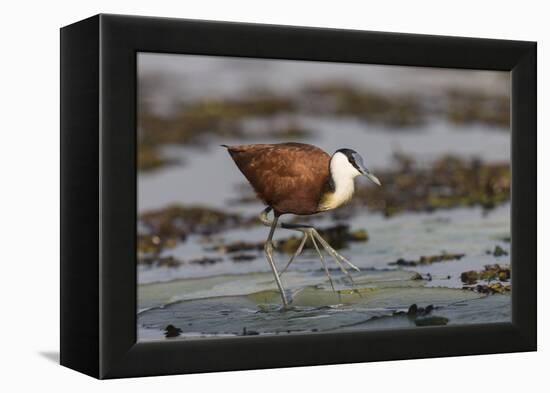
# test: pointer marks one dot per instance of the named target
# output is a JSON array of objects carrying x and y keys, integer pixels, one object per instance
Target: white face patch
[
  {"x": 341, "y": 168},
  {"x": 343, "y": 173}
]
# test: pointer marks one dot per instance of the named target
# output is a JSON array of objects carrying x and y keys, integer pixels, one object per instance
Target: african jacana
[{"x": 301, "y": 179}]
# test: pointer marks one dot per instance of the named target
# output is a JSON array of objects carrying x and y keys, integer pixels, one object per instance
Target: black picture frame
[{"x": 98, "y": 195}]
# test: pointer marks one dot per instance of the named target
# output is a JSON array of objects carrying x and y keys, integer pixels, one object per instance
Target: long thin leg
[
  {"x": 332, "y": 253},
  {"x": 322, "y": 258},
  {"x": 312, "y": 233},
  {"x": 296, "y": 253},
  {"x": 268, "y": 247}
]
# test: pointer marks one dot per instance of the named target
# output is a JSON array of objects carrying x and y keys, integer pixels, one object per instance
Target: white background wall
[{"x": 29, "y": 224}]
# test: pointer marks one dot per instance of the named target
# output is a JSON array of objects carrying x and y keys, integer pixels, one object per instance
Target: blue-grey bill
[
  {"x": 373, "y": 178},
  {"x": 363, "y": 169}
]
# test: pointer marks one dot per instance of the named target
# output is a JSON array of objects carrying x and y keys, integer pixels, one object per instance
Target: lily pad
[
  {"x": 229, "y": 305},
  {"x": 162, "y": 293},
  {"x": 486, "y": 309}
]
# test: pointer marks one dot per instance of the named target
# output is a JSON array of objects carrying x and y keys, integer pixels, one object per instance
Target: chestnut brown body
[{"x": 289, "y": 177}]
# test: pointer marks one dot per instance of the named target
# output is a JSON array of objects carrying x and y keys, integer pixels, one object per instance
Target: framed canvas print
[{"x": 295, "y": 196}]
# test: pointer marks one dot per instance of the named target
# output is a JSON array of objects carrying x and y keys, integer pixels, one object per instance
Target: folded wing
[{"x": 289, "y": 177}]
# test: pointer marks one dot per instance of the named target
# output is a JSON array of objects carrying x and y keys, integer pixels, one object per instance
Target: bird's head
[{"x": 348, "y": 163}]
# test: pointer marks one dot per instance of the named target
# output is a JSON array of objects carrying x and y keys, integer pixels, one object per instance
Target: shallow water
[
  {"x": 408, "y": 236},
  {"x": 224, "y": 298}
]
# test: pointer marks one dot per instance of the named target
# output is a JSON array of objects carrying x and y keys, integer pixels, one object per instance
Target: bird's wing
[{"x": 287, "y": 176}]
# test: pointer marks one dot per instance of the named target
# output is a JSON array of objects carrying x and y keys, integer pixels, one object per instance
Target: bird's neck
[{"x": 339, "y": 190}]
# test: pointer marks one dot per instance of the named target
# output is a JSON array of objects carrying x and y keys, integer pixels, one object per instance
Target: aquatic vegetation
[
  {"x": 415, "y": 311},
  {"x": 469, "y": 277},
  {"x": 237, "y": 247},
  {"x": 205, "y": 260},
  {"x": 496, "y": 271},
  {"x": 490, "y": 273},
  {"x": 428, "y": 259},
  {"x": 401, "y": 110},
  {"x": 491, "y": 289},
  {"x": 446, "y": 183},
  {"x": 292, "y": 131},
  {"x": 172, "y": 331},
  {"x": 244, "y": 257},
  {"x": 165, "y": 228},
  {"x": 150, "y": 246},
  {"x": 178, "y": 221},
  {"x": 249, "y": 304},
  {"x": 391, "y": 110},
  {"x": 431, "y": 321},
  {"x": 339, "y": 236},
  {"x": 149, "y": 158},
  {"x": 221, "y": 117},
  {"x": 247, "y": 332},
  {"x": 498, "y": 251},
  {"x": 195, "y": 121},
  {"x": 157, "y": 261},
  {"x": 168, "y": 261},
  {"x": 467, "y": 106}
]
